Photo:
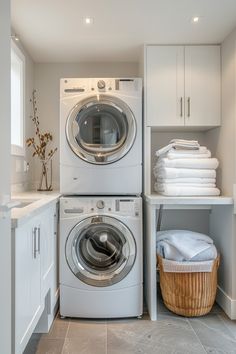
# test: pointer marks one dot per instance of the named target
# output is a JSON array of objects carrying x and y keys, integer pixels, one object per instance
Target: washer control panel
[{"x": 104, "y": 205}]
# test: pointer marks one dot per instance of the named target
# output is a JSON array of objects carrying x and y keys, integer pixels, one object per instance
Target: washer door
[
  {"x": 101, "y": 129},
  {"x": 100, "y": 251}
]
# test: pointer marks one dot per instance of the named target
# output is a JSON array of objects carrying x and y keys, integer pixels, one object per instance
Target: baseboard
[
  {"x": 45, "y": 322},
  {"x": 226, "y": 303},
  {"x": 53, "y": 314}
]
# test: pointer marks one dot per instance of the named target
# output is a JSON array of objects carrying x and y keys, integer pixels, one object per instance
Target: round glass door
[
  {"x": 101, "y": 129},
  {"x": 100, "y": 251}
]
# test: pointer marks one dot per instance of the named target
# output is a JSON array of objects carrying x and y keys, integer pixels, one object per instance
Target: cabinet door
[
  {"x": 202, "y": 86},
  {"x": 55, "y": 275},
  {"x": 165, "y": 86},
  {"x": 47, "y": 240},
  {"x": 27, "y": 283}
]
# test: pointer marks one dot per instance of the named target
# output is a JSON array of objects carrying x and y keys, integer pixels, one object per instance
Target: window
[{"x": 17, "y": 100}]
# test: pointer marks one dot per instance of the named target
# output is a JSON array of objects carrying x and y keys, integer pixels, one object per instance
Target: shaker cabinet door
[
  {"x": 27, "y": 283},
  {"x": 47, "y": 247},
  {"x": 164, "y": 86},
  {"x": 202, "y": 86}
]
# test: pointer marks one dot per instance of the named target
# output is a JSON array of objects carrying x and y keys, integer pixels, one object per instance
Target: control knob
[
  {"x": 101, "y": 84},
  {"x": 100, "y": 204}
]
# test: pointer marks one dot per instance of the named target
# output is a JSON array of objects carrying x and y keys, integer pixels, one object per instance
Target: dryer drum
[
  {"x": 100, "y": 253},
  {"x": 101, "y": 129}
]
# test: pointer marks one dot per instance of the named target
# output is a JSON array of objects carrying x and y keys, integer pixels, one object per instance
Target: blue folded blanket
[{"x": 184, "y": 245}]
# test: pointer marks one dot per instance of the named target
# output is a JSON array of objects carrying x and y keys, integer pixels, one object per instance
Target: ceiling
[{"x": 53, "y": 30}]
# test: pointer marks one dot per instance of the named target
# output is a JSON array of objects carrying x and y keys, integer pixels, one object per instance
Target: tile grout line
[
  {"x": 65, "y": 337},
  {"x": 226, "y": 325},
  {"x": 106, "y": 338},
  {"x": 199, "y": 340},
  {"x": 217, "y": 330}
]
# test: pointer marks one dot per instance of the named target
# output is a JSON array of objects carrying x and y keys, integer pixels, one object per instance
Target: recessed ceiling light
[
  {"x": 88, "y": 20},
  {"x": 195, "y": 19}
]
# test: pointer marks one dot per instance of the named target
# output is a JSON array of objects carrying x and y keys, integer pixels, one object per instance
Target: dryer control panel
[
  {"x": 71, "y": 86},
  {"x": 100, "y": 205}
]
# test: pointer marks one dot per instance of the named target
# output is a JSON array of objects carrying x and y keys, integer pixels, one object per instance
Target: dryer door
[
  {"x": 101, "y": 129},
  {"x": 100, "y": 251}
]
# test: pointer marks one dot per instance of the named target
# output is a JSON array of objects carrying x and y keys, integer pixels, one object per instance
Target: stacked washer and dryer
[{"x": 101, "y": 208}]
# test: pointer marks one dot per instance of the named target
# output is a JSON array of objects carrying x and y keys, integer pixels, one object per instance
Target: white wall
[
  {"x": 47, "y": 82},
  {"x": 5, "y": 226},
  {"x": 223, "y": 140},
  {"x": 21, "y": 179}
]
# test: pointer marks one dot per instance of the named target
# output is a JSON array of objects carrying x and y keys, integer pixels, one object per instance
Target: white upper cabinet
[{"x": 182, "y": 86}]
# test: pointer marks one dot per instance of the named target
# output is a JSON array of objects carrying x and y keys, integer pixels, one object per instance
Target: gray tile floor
[{"x": 213, "y": 333}]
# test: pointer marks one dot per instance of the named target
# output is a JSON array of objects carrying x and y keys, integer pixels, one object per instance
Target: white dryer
[
  {"x": 101, "y": 257},
  {"x": 101, "y": 136}
]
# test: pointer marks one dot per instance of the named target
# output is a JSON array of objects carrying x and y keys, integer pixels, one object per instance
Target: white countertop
[{"x": 40, "y": 200}]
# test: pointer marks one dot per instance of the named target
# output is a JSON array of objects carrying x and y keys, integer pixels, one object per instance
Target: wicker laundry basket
[{"x": 189, "y": 294}]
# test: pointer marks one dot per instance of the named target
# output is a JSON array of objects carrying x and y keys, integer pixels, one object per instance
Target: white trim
[
  {"x": 227, "y": 304},
  {"x": 16, "y": 149}
]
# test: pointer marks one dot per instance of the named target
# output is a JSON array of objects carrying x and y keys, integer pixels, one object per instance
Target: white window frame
[{"x": 19, "y": 150}]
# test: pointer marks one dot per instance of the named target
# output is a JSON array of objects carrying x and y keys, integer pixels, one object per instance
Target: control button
[
  {"x": 109, "y": 209},
  {"x": 101, "y": 84},
  {"x": 92, "y": 209},
  {"x": 100, "y": 204},
  {"x": 110, "y": 88},
  {"x": 92, "y": 88}
]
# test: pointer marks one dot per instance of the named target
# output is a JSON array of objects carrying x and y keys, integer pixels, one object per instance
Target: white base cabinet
[{"x": 35, "y": 274}]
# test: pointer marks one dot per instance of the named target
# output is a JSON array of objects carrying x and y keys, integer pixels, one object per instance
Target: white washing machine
[
  {"x": 101, "y": 257},
  {"x": 101, "y": 136}
]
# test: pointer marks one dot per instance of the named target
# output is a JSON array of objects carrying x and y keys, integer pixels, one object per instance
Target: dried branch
[{"x": 41, "y": 141}]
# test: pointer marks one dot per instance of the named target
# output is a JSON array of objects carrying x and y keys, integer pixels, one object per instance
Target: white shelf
[{"x": 156, "y": 199}]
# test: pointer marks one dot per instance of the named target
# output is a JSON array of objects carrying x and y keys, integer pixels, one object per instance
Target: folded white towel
[
  {"x": 211, "y": 163},
  {"x": 192, "y": 154},
  {"x": 183, "y": 245},
  {"x": 175, "y": 191},
  {"x": 174, "y": 150},
  {"x": 163, "y": 186},
  {"x": 179, "y": 144},
  {"x": 185, "y": 142},
  {"x": 168, "y": 172},
  {"x": 186, "y": 180}
]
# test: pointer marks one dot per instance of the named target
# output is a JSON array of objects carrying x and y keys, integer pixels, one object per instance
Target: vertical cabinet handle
[
  {"x": 181, "y": 107},
  {"x": 188, "y": 104},
  {"x": 39, "y": 239},
  {"x": 34, "y": 242}
]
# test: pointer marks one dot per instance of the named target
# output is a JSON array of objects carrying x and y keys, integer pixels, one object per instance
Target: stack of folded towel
[
  {"x": 185, "y": 246},
  {"x": 184, "y": 168}
]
